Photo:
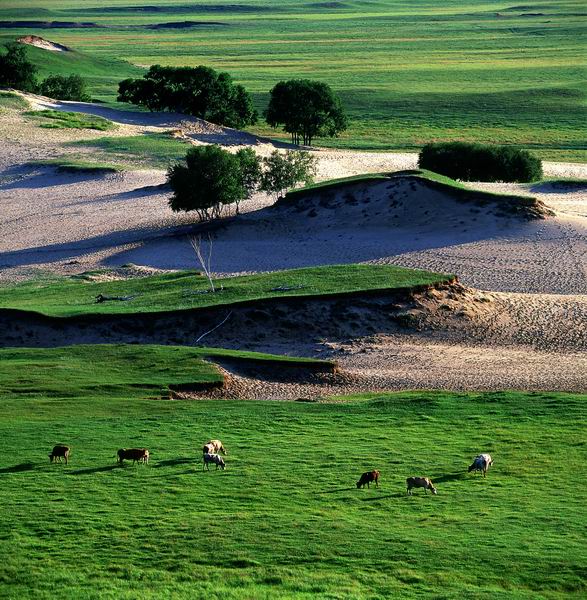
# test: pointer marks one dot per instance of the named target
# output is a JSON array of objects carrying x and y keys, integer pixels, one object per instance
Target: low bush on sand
[
  {"x": 57, "y": 119},
  {"x": 477, "y": 162}
]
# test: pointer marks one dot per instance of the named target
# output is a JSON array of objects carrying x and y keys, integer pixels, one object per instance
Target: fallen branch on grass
[{"x": 103, "y": 298}]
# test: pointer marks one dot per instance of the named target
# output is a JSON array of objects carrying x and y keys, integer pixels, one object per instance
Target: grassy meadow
[
  {"x": 183, "y": 290},
  {"x": 409, "y": 73},
  {"x": 285, "y": 520}
]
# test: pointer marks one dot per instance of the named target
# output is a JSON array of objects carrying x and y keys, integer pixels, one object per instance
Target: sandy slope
[{"x": 68, "y": 223}]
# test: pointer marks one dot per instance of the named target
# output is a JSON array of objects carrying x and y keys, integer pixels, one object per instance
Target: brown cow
[
  {"x": 60, "y": 452},
  {"x": 367, "y": 478},
  {"x": 134, "y": 454},
  {"x": 420, "y": 482}
]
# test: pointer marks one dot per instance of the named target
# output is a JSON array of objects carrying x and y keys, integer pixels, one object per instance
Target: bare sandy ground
[{"x": 68, "y": 223}]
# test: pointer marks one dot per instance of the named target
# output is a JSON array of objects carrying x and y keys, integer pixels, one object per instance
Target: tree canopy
[
  {"x": 283, "y": 172},
  {"x": 72, "y": 87},
  {"x": 15, "y": 69},
  {"x": 306, "y": 109},
  {"x": 199, "y": 91}
]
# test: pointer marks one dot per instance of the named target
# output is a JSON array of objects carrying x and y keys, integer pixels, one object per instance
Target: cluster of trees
[
  {"x": 199, "y": 91},
  {"x": 478, "y": 162},
  {"x": 213, "y": 178},
  {"x": 306, "y": 109},
  {"x": 17, "y": 72}
]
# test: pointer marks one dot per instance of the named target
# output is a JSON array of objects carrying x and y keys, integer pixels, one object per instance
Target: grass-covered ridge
[
  {"x": 10, "y": 100},
  {"x": 72, "y": 165},
  {"x": 156, "y": 150},
  {"x": 72, "y": 296},
  {"x": 285, "y": 519},
  {"x": 79, "y": 373},
  {"x": 60, "y": 119}
]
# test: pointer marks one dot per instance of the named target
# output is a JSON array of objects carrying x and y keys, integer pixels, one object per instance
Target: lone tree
[
  {"x": 15, "y": 69},
  {"x": 284, "y": 171},
  {"x": 306, "y": 109},
  {"x": 200, "y": 91},
  {"x": 211, "y": 179}
]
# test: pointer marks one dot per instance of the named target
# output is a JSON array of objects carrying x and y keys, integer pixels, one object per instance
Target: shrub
[
  {"x": 65, "y": 88},
  {"x": 477, "y": 162},
  {"x": 284, "y": 171}
]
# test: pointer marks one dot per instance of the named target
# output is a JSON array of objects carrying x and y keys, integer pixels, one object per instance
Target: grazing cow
[
  {"x": 367, "y": 478},
  {"x": 213, "y": 458},
  {"x": 420, "y": 482},
  {"x": 482, "y": 462},
  {"x": 213, "y": 447},
  {"x": 134, "y": 454},
  {"x": 60, "y": 452}
]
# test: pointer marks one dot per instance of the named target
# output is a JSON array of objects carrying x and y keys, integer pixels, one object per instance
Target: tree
[
  {"x": 249, "y": 172},
  {"x": 208, "y": 181},
  {"x": 15, "y": 69},
  {"x": 199, "y": 91},
  {"x": 65, "y": 88},
  {"x": 306, "y": 109},
  {"x": 284, "y": 171}
]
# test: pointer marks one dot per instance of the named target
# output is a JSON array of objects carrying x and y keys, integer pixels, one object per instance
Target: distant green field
[
  {"x": 409, "y": 73},
  {"x": 285, "y": 520},
  {"x": 64, "y": 297}
]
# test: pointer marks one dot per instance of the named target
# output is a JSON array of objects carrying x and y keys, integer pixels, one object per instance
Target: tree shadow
[
  {"x": 93, "y": 470},
  {"x": 20, "y": 468}
]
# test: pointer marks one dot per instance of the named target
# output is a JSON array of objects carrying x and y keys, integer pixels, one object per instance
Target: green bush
[
  {"x": 65, "y": 88},
  {"x": 476, "y": 162}
]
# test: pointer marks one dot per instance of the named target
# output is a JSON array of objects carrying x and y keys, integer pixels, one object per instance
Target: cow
[
  {"x": 134, "y": 454},
  {"x": 60, "y": 452},
  {"x": 481, "y": 462},
  {"x": 367, "y": 478},
  {"x": 213, "y": 447},
  {"x": 213, "y": 458},
  {"x": 420, "y": 482}
]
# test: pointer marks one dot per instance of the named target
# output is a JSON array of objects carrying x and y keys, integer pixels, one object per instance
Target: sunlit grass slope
[
  {"x": 63, "y": 297},
  {"x": 409, "y": 73},
  {"x": 285, "y": 520}
]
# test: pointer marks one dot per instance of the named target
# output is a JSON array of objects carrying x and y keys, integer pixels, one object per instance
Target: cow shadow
[
  {"x": 93, "y": 470},
  {"x": 20, "y": 468},
  {"x": 376, "y": 498},
  {"x": 344, "y": 489},
  {"x": 448, "y": 477},
  {"x": 175, "y": 461}
]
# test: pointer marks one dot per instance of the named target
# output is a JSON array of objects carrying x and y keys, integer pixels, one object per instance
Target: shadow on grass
[
  {"x": 375, "y": 498},
  {"x": 104, "y": 469},
  {"x": 20, "y": 468},
  {"x": 448, "y": 477},
  {"x": 176, "y": 461},
  {"x": 344, "y": 489}
]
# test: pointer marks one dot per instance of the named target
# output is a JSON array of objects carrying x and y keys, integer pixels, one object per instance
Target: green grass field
[
  {"x": 59, "y": 119},
  {"x": 71, "y": 296},
  {"x": 285, "y": 520},
  {"x": 409, "y": 74}
]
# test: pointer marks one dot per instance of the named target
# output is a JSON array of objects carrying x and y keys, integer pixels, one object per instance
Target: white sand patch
[{"x": 39, "y": 42}]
